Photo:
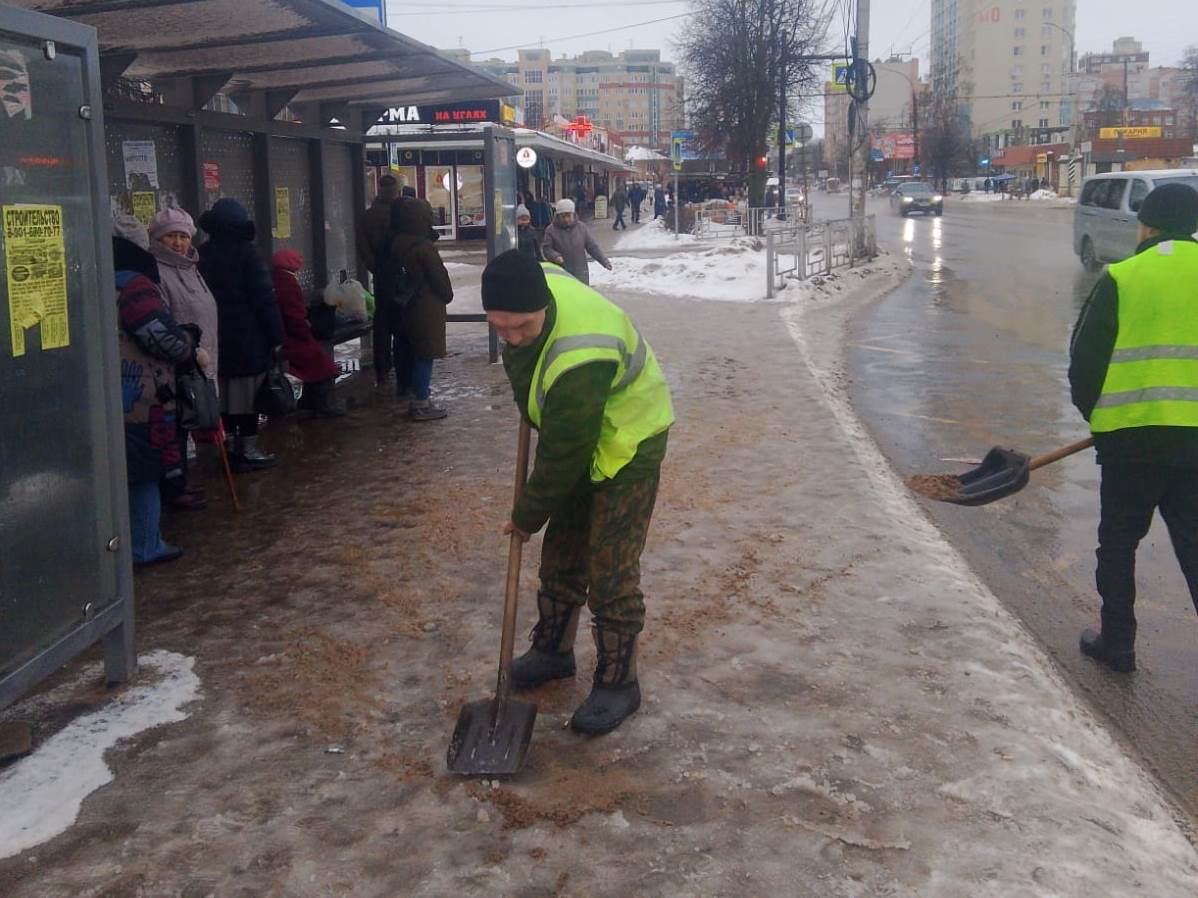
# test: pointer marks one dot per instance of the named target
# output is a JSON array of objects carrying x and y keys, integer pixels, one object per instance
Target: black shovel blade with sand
[
  {"x": 492, "y": 736},
  {"x": 1002, "y": 473}
]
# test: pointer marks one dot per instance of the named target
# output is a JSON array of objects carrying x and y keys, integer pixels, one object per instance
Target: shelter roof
[{"x": 303, "y": 50}]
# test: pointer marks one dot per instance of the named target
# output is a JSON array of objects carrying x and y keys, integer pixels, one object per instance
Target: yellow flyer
[
  {"x": 282, "y": 212},
  {"x": 36, "y": 271},
  {"x": 145, "y": 206}
]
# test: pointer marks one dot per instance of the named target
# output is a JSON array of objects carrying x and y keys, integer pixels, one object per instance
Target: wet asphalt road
[{"x": 972, "y": 351}]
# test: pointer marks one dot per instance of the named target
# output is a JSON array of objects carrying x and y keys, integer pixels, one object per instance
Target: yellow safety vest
[
  {"x": 589, "y": 328},
  {"x": 1153, "y": 376}
]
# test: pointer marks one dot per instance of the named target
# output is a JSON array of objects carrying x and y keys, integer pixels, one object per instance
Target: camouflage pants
[{"x": 591, "y": 554}]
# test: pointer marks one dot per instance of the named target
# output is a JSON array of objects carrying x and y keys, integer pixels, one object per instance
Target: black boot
[
  {"x": 319, "y": 398},
  {"x": 552, "y": 654},
  {"x": 615, "y": 692},
  {"x": 1117, "y": 654}
]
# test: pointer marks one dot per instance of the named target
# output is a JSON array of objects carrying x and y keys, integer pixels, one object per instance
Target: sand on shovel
[{"x": 941, "y": 487}]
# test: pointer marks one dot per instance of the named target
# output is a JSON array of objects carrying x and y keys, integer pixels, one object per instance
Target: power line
[{"x": 571, "y": 37}]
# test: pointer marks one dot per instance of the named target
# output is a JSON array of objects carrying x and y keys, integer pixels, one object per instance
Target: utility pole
[
  {"x": 859, "y": 177},
  {"x": 915, "y": 128},
  {"x": 782, "y": 139}
]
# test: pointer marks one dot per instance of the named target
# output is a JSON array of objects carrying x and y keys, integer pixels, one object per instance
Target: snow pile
[
  {"x": 734, "y": 272},
  {"x": 41, "y": 794},
  {"x": 980, "y": 197},
  {"x": 651, "y": 235},
  {"x": 1043, "y": 195}
]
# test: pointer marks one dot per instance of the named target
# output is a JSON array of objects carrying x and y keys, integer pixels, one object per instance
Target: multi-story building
[
  {"x": 635, "y": 96},
  {"x": 1123, "y": 88},
  {"x": 1005, "y": 65},
  {"x": 836, "y": 129}
]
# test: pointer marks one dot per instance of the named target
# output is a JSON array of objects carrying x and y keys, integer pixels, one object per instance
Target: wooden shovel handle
[
  {"x": 512, "y": 588},
  {"x": 1057, "y": 454}
]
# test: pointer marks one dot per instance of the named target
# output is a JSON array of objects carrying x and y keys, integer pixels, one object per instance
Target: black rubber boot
[
  {"x": 319, "y": 398},
  {"x": 1118, "y": 655},
  {"x": 615, "y": 692},
  {"x": 552, "y": 654}
]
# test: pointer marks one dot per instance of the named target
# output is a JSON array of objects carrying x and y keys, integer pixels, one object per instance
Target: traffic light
[{"x": 761, "y": 162}]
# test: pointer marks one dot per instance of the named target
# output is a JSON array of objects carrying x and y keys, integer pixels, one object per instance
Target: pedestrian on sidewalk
[
  {"x": 527, "y": 240},
  {"x": 190, "y": 302},
  {"x": 422, "y": 292},
  {"x": 542, "y": 216},
  {"x": 619, "y": 202},
  {"x": 388, "y": 341},
  {"x": 1134, "y": 376},
  {"x": 251, "y": 329},
  {"x": 153, "y": 347},
  {"x": 590, "y": 384},
  {"x": 636, "y": 196},
  {"x": 659, "y": 203},
  {"x": 568, "y": 242},
  {"x": 306, "y": 358}
]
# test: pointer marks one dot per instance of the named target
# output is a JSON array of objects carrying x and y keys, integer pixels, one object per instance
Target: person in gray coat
[{"x": 567, "y": 243}]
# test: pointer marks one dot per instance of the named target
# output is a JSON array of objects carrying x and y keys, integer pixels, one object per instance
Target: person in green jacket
[
  {"x": 590, "y": 384},
  {"x": 1133, "y": 373}
]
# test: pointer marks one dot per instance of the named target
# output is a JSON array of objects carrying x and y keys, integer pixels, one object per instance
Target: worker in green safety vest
[
  {"x": 590, "y": 384},
  {"x": 1134, "y": 376}
]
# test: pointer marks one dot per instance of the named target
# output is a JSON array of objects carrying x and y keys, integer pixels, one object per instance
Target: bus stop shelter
[{"x": 140, "y": 105}]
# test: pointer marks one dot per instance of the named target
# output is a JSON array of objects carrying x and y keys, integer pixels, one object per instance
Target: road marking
[
  {"x": 925, "y": 417},
  {"x": 884, "y": 349}
]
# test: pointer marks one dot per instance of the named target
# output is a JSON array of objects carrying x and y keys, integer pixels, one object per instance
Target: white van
[{"x": 1105, "y": 225}]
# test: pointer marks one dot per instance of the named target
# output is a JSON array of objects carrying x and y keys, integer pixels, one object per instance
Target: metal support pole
[
  {"x": 677, "y": 207},
  {"x": 858, "y": 185},
  {"x": 770, "y": 264}
]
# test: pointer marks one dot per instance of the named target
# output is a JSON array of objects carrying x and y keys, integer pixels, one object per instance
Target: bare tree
[
  {"x": 1107, "y": 107},
  {"x": 740, "y": 55},
  {"x": 1189, "y": 92},
  {"x": 944, "y": 143}
]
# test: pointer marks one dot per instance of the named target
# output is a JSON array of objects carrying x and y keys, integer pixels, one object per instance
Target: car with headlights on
[{"x": 916, "y": 196}]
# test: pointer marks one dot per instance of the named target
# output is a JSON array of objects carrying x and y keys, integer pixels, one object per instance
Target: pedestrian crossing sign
[{"x": 841, "y": 73}]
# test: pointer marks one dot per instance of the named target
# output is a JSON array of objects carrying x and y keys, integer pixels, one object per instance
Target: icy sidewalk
[{"x": 834, "y": 706}]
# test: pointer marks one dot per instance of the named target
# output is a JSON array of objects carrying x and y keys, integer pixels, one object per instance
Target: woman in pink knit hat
[{"x": 190, "y": 303}]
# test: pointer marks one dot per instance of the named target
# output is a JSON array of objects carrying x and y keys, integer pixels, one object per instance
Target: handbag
[
  {"x": 199, "y": 406},
  {"x": 276, "y": 397}
]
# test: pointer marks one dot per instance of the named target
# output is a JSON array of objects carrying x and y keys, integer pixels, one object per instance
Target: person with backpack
[{"x": 420, "y": 290}]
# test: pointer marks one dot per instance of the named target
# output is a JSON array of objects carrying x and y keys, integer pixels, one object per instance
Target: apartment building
[
  {"x": 1005, "y": 65},
  {"x": 634, "y": 95}
]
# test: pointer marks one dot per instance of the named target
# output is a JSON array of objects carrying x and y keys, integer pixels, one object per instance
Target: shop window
[{"x": 472, "y": 210}]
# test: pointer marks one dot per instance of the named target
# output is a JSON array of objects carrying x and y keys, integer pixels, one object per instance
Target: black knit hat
[
  {"x": 1171, "y": 209},
  {"x": 513, "y": 282}
]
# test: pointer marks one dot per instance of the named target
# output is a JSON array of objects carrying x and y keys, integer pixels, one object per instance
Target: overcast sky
[{"x": 901, "y": 25}]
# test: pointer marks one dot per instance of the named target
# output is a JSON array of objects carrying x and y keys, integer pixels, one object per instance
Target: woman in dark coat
[
  {"x": 424, "y": 313},
  {"x": 306, "y": 358},
  {"x": 153, "y": 348},
  {"x": 251, "y": 329}
]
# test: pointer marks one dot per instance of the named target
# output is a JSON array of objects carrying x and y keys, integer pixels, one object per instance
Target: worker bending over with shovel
[
  {"x": 1134, "y": 374},
  {"x": 589, "y": 383}
]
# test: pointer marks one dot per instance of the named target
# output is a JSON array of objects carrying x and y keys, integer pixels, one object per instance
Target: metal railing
[
  {"x": 816, "y": 249},
  {"x": 758, "y": 221}
]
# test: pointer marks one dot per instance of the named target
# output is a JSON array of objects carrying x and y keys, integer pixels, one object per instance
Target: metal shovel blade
[
  {"x": 1001, "y": 473},
  {"x": 483, "y": 744}
]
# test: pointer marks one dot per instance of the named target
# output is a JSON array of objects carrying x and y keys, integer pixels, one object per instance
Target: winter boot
[
  {"x": 247, "y": 457},
  {"x": 1117, "y": 654},
  {"x": 424, "y": 410},
  {"x": 552, "y": 654},
  {"x": 318, "y": 398},
  {"x": 615, "y": 692}
]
